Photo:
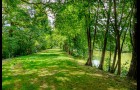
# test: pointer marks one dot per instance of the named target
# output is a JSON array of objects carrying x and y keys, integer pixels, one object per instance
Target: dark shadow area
[{"x": 46, "y": 55}]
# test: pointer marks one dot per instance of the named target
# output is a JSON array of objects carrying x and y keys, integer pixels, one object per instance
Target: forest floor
[{"x": 54, "y": 69}]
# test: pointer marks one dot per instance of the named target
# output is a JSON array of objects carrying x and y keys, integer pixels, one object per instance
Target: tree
[
  {"x": 105, "y": 37},
  {"x": 132, "y": 73},
  {"x": 89, "y": 38},
  {"x": 24, "y": 30}
]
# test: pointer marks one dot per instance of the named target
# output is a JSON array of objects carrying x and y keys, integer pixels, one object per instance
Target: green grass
[{"x": 53, "y": 69}]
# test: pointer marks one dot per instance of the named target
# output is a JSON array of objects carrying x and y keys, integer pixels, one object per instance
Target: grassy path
[{"x": 55, "y": 70}]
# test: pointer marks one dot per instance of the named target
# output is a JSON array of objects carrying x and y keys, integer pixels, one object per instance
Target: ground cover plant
[{"x": 55, "y": 70}]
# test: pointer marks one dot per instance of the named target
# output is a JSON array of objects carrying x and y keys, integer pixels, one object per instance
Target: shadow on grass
[
  {"x": 39, "y": 56},
  {"x": 55, "y": 71},
  {"x": 62, "y": 79}
]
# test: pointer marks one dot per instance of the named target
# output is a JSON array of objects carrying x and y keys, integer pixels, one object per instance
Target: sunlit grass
[{"x": 53, "y": 69}]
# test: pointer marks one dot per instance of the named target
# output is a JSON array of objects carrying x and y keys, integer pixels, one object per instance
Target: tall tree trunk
[
  {"x": 113, "y": 68},
  {"x": 121, "y": 49},
  {"x": 114, "y": 59},
  {"x": 105, "y": 38},
  {"x": 118, "y": 39},
  {"x": 89, "y": 63},
  {"x": 119, "y": 56},
  {"x": 96, "y": 22},
  {"x": 103, "y": 53},
  {"x": 109, "y": 65},
  {"x": 90, "y": 48},
  {"x": 132, "y": 73}
]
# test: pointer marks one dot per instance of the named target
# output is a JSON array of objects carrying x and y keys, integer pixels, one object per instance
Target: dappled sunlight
[
  {"x": 63, "y": 79},
  {"x": 64, "y": 71},
  {"x": 6, "y": 69},
  {"x": 16, "y": 72},
  {"x": 12, "y": 72},
  {"x": 4, "y": 62},
  {"x": 54, "y": 66},
  {"x": 17, "y": 80},
  {"x": 44, "y": 73},
  {"x": 29, "y": 71},
  {"x": 96, "y": 74},
  {"x": 63, "y": 58},
  {"x": 6, "y": 82},
  {"x": 16, "y": 66},
  {"x": 81, "y": 61},
  {"x": 33, "y": 80},
  {"x": 51, "y": 71},
  {"x": 44, "y": 85},
  {"x": 112, "y": 88},
  {"x": 52, "y": 87},
  {"x": 77, "y": 73}
]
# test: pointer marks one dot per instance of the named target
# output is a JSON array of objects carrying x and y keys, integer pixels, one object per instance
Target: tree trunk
[
  {"x": 120, "y": 51},
  {"x": 105, "y": 38},
  {"x": 109, "y": 65},
  {"x": 118, "y": 39},
  {"x": 90, "y": 49},
  {"x": 114, "y": 60},
  {"x": 103, "y": 54},
  {"x": 119, "y": 56},
  {"x": 132, "y": 73},
  {"x": 115, "y": 67},
  {"x": 89, "y": 63}
]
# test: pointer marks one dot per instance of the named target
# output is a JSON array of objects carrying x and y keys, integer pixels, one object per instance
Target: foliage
[{"x": 24, "y": 32}]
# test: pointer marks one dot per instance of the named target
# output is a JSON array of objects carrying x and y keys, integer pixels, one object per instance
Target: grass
[{"x": 53, "y": 69}]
